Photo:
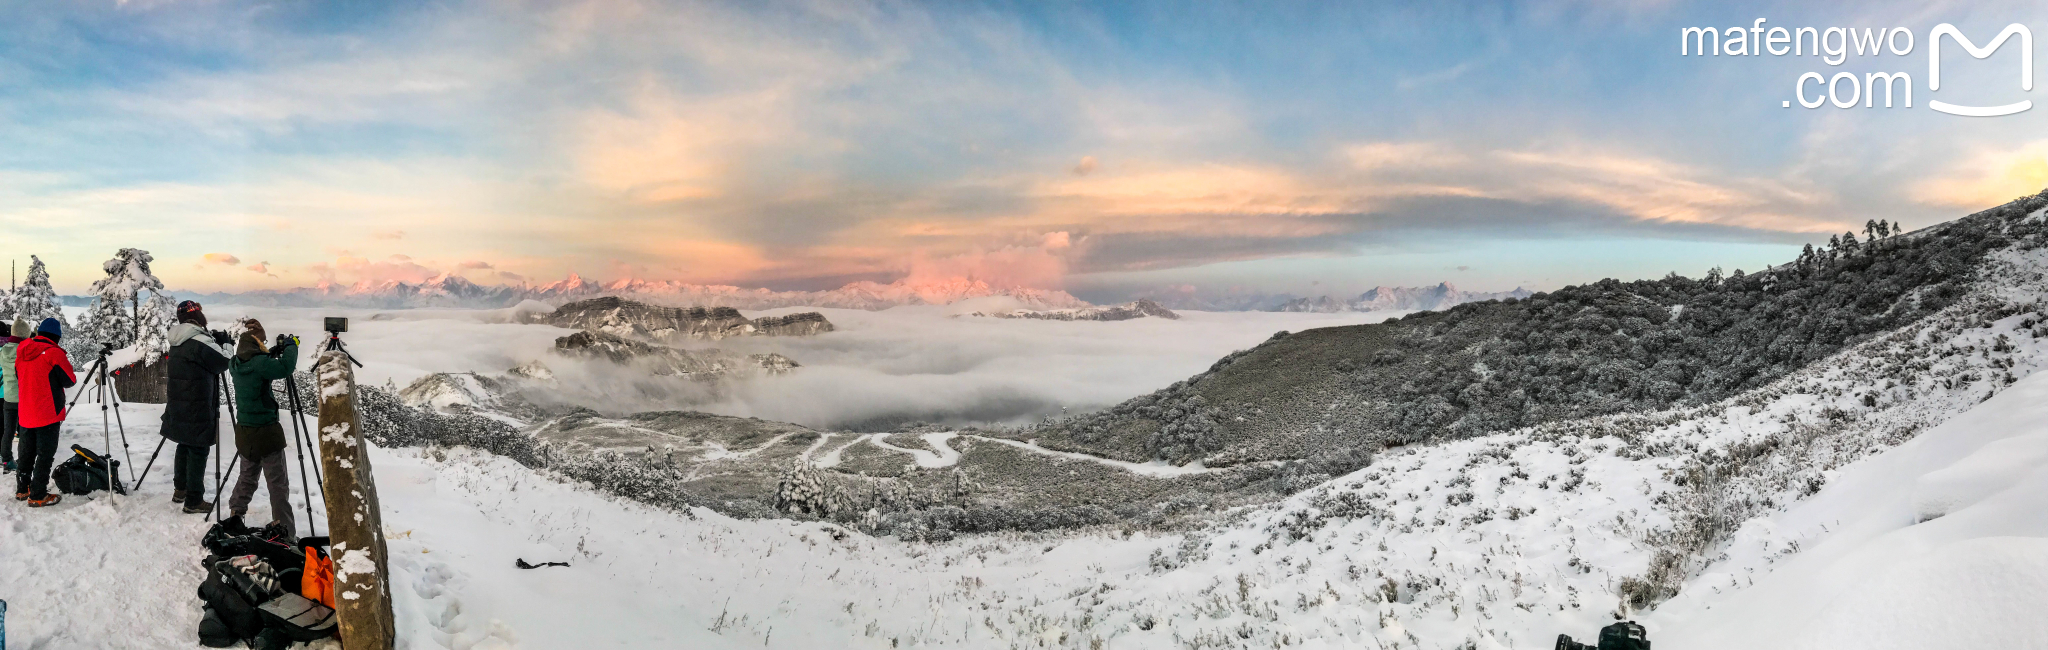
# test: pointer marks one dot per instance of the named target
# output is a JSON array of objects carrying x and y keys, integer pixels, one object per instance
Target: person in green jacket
[
  {"x": 10, "y": 413},
  {"x": 259, "y": 439}
]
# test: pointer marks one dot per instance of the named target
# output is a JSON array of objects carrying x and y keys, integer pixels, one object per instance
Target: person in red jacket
[{"x": 44, "y": 373}]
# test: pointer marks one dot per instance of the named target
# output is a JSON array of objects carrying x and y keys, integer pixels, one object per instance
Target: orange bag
[{"x": 316, "y": 581}]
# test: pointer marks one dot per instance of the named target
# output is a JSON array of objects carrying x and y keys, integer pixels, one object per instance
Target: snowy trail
[
  {"x": 944, "y": 456},
  {"x": 1157, "y": 468},
  {"x": 719, "y": 452},
  {"x": 831, "y": 458},
  {"x": 823, "y": 439}
]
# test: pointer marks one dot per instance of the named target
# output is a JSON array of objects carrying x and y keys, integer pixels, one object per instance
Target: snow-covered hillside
[{"x": 1786, "y": 514}]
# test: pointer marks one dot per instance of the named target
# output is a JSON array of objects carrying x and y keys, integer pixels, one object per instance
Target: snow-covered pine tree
[
  {"x": 154, "y": 323},
  {"x": 35, "y": 299},
  {"x": 111, "y": 319}
]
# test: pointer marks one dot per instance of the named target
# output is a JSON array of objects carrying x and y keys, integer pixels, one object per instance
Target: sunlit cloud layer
[{"x": 806, "y": 144}]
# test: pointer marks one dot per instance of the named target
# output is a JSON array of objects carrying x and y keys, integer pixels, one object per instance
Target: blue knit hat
[{"x": 50, "y": 326}]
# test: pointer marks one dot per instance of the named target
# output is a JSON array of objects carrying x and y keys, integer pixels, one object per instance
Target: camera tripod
[
  {"x": 334, "y": 343},
  {"x": 302, "y": 437},
  {"x": 103, "y": 390}
]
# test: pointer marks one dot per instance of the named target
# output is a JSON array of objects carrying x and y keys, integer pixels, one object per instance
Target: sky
[{"x": 1110, "y": 149}]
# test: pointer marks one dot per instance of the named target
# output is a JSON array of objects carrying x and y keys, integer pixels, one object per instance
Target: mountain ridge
[
  {"x": 1442, "y": 296},
  {"x": 1331, "y": 396},
  {"x": 454, "y": 291}
]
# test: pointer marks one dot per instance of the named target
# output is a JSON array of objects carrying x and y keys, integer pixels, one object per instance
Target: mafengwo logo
[{"x": 1834, "y": 45}]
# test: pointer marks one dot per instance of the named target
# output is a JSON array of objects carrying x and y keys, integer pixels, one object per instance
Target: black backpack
[
  {"x": 249, "y": 600},
  {"x": 86, "y": 472},
  {"x": 231, "y": 538},
  {"x": 1625, "y": 635}
]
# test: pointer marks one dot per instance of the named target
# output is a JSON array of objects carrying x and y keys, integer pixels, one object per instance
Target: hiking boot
[
  {"x": 45, "y": 501},
  {"x": 21, "y": 496},
  {"x": 177, "y": 496},
  {"x": 8, "y": 467},
  {"x": 197, "y": 506}
]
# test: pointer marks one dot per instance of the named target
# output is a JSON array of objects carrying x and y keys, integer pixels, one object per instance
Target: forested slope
[{"x": 1332, "y": 396}]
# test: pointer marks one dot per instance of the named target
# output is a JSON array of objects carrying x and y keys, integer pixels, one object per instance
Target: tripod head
[{"x": 334, "y": 343}]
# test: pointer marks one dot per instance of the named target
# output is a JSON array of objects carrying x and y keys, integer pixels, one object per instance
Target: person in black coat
[{"x": 192, "y": 403}]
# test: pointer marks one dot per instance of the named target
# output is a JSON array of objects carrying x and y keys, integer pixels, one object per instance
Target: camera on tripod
[{"x": 335, "y": 325}]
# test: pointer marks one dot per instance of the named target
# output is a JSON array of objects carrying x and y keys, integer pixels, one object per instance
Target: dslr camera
[{"x": 1625, "y": 635}]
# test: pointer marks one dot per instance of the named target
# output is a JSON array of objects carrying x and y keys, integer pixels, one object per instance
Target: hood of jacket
[
  {"x": 182, "y": 332},
  {"x": 35, "y": 347}
]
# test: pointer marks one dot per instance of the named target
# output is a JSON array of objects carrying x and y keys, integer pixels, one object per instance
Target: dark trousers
[
  {"x": 277, "y": 482},
  {"x": 37, "y": 446},
  {"x": 11, "y": 413},
  {"x": 188, "y": 472}
]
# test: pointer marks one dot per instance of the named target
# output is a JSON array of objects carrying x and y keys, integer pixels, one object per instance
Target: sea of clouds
[{"x": 879, "y": 370}]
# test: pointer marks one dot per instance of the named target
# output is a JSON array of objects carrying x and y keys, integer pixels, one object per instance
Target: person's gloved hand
[
  {"x": 221, "y": 338},
  {"x": 286, "y": 339}
]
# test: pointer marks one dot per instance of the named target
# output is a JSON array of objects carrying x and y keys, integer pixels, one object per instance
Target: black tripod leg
[
  {"x": 217, "y": 477},
  {"x": 121, "y": 428},
  {"x": 299, "y": 441},
  {"x": 220, "y": 485},
  {"x": 299, "y": 412},
  {"x": 152, "y": 463}
]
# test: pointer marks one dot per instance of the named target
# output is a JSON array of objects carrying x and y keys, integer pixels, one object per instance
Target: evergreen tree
[
  {"x": 35, "y": 299},
  {"x": 158, "y": 314},
  {"x": 111, "y": 320}
]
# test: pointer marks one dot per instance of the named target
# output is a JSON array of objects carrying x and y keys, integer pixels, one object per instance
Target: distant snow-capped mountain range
[
  {"x": 1441, "y": 296},
  {"x": 452, "y": 291},
  {"x": 455, "y": 291}
]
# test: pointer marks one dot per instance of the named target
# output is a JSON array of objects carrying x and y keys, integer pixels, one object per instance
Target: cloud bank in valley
[{"x": 879, "y": 370}]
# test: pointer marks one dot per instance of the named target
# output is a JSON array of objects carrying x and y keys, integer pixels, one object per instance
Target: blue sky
[{"x": 1106, "y": 148}]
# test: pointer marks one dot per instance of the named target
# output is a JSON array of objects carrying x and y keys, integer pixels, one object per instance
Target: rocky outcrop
[
  {"x": 443, "y": 391},
  {"x": 664, "y": 360},
  {"x": 1126, "y": 311},
  {"x": 626, "y": 318}
]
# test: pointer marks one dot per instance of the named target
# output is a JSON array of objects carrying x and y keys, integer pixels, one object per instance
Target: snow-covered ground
[
  {"x": 119, "y": 572},
  {"x": 1891, "y": 496},
  {"x": 1940, "y": 543}
]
